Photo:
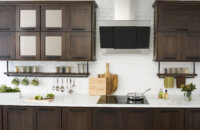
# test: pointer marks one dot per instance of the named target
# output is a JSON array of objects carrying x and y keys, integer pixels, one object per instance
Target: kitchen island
[{"x": 81, "y": 112}]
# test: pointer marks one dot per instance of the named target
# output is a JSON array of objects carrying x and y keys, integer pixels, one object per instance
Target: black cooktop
[{"x": 116, "y": 99}]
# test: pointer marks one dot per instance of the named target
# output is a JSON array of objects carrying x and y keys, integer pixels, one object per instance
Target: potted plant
[
  {"x": 187, "y": 89},
  {"x": 9, "y": 93}
]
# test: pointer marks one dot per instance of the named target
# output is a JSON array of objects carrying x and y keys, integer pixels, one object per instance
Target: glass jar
[
  {"x": 68, "y": 69},
  {"x": 17, "y": 69}
]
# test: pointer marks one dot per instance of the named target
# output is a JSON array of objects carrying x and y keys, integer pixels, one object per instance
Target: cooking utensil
[
  {"x": 70, "y": 91},
  {"x": 111, "y": 79},
  {"x": 147, "y": 90},
  {"x": 57, "y": 87},
  {"x": 136, "y": 96},
  {"x": 73, "y": 85},
  {"x": 53, "y": 87},
  {"x": 62, "y": 89}
]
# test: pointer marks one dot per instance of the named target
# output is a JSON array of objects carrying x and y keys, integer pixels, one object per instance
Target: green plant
[
  {"x": 50, "y": 95},
  {"x": 38, "y": 97},
  {"x": 5, "y": 89},
  {"x": 188, "y": 87}
]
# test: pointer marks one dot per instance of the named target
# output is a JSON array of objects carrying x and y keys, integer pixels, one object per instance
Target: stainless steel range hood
[
  {"x": 124, "y": 15},
  {"x": 124, "y": 9}
]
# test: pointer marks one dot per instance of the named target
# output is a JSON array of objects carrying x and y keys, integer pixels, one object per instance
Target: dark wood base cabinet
[
  {"x": 76, "y": 119},
  {"x": 67, "y": 118}
]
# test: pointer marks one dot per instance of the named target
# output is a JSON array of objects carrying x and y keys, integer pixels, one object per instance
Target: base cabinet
[
  {"x": 76, "y": 119},
  {"x": 106, "y": 119},
  {"x": 137, "y": 119},
  {"x": 47, "y": 118},
  {"x": 18, "y": 118},
  {"x": 67, "y": 118},
  {"x": 169, "y": 119},
  {"x": 192, "y": 119}
]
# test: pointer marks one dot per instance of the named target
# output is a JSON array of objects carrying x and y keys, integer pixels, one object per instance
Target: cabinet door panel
[
  {"x": 17, "y": 118},
  {"x": 28, "y": 45},
  {"x": 137, "y": 119},
  {"x": 48, "y": 118},
  {"x": 28, "y": 18},
  {"x": 53, "y": 18},
  {"x": 178, "y": 17},
  {"x": 106, "y": 119},
  {"x": 7, "y": 45},
  {"x": 80, "y": 45},
  {"x": 53, "y": 45},
  {"x": 1, "y": 121},
  {"x": 192, "y": 119},
  {"x": 76, "y": 119},
  {"x": 80, "y": 17},
  {"x": 191, "y": 46},
  {"x": 169, "y": 119},
  {"x": 7, "y": 18},
  {"x": 169, "y": 46}
]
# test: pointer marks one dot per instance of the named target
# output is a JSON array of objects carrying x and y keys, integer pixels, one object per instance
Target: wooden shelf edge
[
  {"x": 14, "y": 74},
  {"x": 177, "y": 75}
]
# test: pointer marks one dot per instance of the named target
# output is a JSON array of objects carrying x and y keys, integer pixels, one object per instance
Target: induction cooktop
[{"x": 118, "y": 99}]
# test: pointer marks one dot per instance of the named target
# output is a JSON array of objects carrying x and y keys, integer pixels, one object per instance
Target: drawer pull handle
[
  {"x": 17, "y": 109},
  {"x": 192, "y": 58},
  {"x": 181, "y": 29},
  {"x": 4, "y": 57},
  {"x": 78, "y": 110},
  {"x": 76, "y": 29},
  {"x": 53, "y": 28},
  {"x": 4, "y": 28},
  {"x": 168, "y": 58},
  {"x": 27, "y": 28},
  {"x": 78, "y": 58}
]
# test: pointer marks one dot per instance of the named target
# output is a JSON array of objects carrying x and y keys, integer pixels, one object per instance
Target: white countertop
[{"x": 83, "y": 100}]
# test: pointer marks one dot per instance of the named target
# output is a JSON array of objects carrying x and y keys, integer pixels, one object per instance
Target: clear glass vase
[{"x": 188, "y": 95}]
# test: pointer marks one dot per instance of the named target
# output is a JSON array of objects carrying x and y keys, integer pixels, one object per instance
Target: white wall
[{"x": 135, "y": 71}]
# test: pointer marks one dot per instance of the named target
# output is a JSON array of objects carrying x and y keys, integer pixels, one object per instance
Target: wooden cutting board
[
  {"x": 97, "y": 86},
  {"x": 111, "y": 79},
  {"x": 32, "y": 100}
]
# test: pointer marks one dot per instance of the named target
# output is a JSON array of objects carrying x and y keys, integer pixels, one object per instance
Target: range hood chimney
[{"x": 124, "y": 10}]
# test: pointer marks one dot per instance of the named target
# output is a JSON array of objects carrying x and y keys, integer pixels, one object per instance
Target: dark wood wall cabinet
[
  {"x": 84, "y": 118},
  {"x": 177, "y": 31},
  {"x": 63, "y": 30}
]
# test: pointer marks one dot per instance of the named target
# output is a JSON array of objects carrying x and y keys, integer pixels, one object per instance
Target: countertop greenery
[{"x": 6, "y": 89}]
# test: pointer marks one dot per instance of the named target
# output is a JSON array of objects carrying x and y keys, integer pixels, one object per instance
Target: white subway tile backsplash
[{"x": 136, "y": 72}]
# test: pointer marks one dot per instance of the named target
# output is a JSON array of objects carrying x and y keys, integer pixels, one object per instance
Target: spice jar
[
  {"x": 62, "y": 69},
  {"x": 68, "y": 69},
  {"x": 57, "y": 69},
  {"x": 35, "y": 69},
  {"x": 29, "y": 69},
  {"x": 17, "y": 69},
  {"x": 23, "y": 69}
]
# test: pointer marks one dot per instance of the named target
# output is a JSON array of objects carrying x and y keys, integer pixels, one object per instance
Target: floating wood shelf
[
  {"x": 14, "y": 74},
  {"x": 177, "y": 75}
]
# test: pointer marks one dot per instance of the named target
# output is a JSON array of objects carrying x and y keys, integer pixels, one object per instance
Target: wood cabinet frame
[
  {"x": 37, "y": 34},
  {"x": 9, "y": 18},
  {"x": 43, "y": 35},
  {"x": 43, "y": 20},
  {"x": 30, "y": 7}
]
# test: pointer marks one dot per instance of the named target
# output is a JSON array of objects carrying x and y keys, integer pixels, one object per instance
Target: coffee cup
[
  {"x": 35, "y": 82},
  {"x": 15, "y": 81},
  {"x": 25, "y": 82}
]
